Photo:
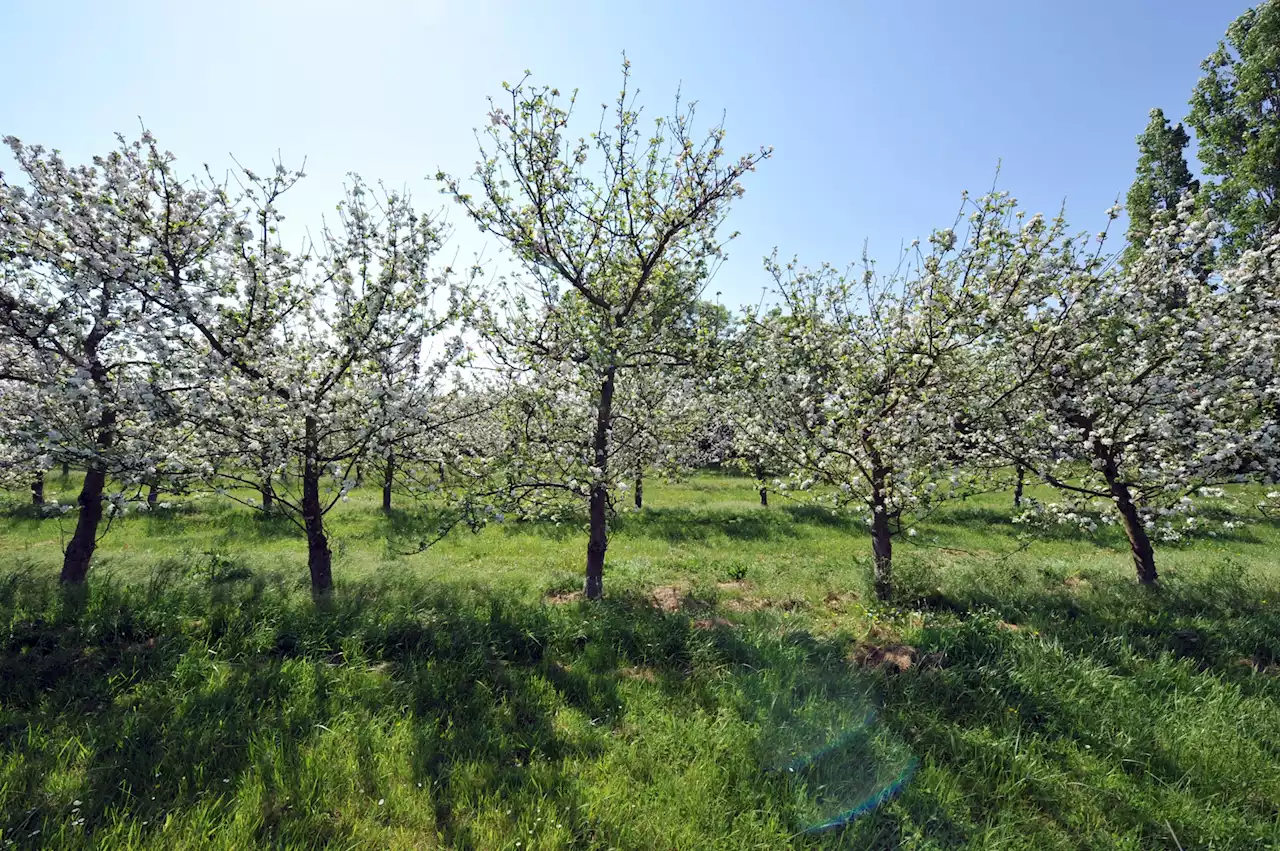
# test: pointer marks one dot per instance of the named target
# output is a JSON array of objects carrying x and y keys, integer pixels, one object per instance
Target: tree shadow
[
  {"x": 680, "y": 525},
  {"x": 169, "y": 687},
  {"x": 998, "y": 682},
  {"x": 175, "y": 693}
]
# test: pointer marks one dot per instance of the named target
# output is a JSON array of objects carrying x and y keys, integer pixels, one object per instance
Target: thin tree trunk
[
  {"x": 268, "y": 495},
  {"x": 598, "y": 541},
  {"x": 881, "y": 536},
  {"x": 1017, "y": 488},
  {"x": 66, "y": 469},
  {"x": 1144, "y": 556},
  {"x": 388, "y": 478},
  {"x": 319, "y": 556},
  {"x": 764, "y": 491},
  {"x": 153, "y": 493},
  {"x": 75, "y": 562},
  {"x": 639, "y": 489},
  {"x": 37, "y": 489}
]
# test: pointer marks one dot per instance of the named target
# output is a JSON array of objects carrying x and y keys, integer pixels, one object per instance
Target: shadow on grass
[
  {"x": 1221, "y": 617},
  {"x": 679, "y": 525},
  {"x": 172, "y": 698},
  {"x": 166, "y": 697},
  {"x": 683, "y": 525},
  {"x": 1051, "y": 677}
]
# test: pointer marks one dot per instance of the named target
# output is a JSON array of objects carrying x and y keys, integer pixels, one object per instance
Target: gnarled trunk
[
  {"x": 1017, "y": 487},
  {"x": 153, "y": 493},
  {"x": 881, "y": 536},
  {"x": 268, "y": 495},
  {"x": 639, "y": 489},
  {"x": 1144, "y": 556},
  {"x": 764, "y": 497},
  {"x": 37, "y": 490},
  {"x": 598, "y": 540},
  {"x": 319, "y": 556},
  {"x": 75, "y": 562},
  {"x": 388, "y": 478}
]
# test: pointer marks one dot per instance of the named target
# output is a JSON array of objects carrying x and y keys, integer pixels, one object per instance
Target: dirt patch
[
  {"x": 667, "y": 598},
  {"x": 892, "y": 657},
  {"x": 561, "y": 598},
  {"x": 1008, "y": 627},
  {"x": 1077, "y": 583},
  {"x": 637, "y": 672},
  {"x": 743, "y": 604},
  {"x": 735, "y": 585},
  {"x": 881, "y": 634},
  {"x": 711, "y": 623},
  {"x": 1259, "y": 666},
  {"x": 839, "y": 602}
]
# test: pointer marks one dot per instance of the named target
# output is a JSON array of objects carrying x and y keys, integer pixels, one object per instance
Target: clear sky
[{"x": 880, "y": 113}]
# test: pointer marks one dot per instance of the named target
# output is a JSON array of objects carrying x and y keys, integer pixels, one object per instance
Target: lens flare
[{"x": 819, "y": 733}]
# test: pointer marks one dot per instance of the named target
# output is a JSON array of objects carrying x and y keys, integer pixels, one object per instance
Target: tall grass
[{"x": 196, "y": 697}]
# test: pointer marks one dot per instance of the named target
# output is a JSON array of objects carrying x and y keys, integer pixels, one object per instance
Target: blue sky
[{"x": 880, "y": 113}]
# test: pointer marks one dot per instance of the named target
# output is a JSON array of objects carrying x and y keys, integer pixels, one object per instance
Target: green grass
[{"x": 197, "y": 698}]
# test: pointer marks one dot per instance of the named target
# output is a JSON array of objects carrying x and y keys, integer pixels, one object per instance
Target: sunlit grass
[{"x": 197, "y": 698}]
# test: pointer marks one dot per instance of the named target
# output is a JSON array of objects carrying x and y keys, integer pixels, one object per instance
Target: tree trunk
[
  {"x": 388, "y": 478},
  {"x": 75, "y": 562},
  {"x": 66, "y": 469},
  {"x": 268, "y": 495},
  {"x": 1144, "y": 556},
  {"x": 1017, "y": 488},
  {"x": 153, "y": 493},
  {"x": 764, "y": 497},
  {"x": 319, "y": 556},
  {"x": 37, "y": 490},
  {"x": 598, "y": 540},
  {"x": 764, "y": 491},
  {"x": 639, "y": 489},
  {"x": 881, "y": 536}
]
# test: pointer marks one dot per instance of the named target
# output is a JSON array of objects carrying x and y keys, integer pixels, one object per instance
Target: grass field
[{"x": 737, "y": 687}]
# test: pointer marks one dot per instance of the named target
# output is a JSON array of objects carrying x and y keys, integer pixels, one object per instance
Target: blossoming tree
[
  {"x": 1136, "y": 388},
  {"x": 616, "y": 234},
  {"x": 307, "y": 359},
  {"x": 856, "y": 387},
  {"x": 76, "y": 310}
]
